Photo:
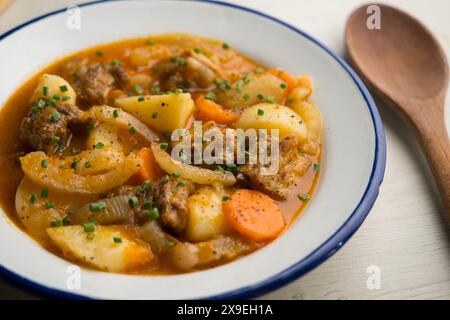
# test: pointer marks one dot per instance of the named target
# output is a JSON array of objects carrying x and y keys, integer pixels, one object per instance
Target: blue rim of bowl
[{"x": 325, "y": 250}]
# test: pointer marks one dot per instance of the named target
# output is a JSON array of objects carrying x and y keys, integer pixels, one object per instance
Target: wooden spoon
[{"x": 406, "y": 66}]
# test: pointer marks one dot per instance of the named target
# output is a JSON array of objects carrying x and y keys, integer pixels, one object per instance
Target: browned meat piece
[
  {"x": 171, "y": 199},
  {"x": 93, "y": 82},
  {"x": 292, "y": 165},
  {"x": 169, "y": 195},
  {"x": 46, "y": 127},
  {"x": 190, "y": 72}
]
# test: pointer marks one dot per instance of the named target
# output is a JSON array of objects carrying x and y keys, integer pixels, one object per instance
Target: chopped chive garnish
[
  {"x": 45, "y": 91},
  {"x": 260, "y": 96},
  {"x": 260, "y": 112},
  {"x": 89, "y": 226},
  {"x": 164, "y": 145},
  {"x": 133, "y": 201},
  {"x": 56, "y": 223},
  {"x": 225, "y": 46},
  {"x": 97, "y": 206},
  {"x": 304, "y": 196},
  {"x": 270, "y": 100},
  {"x": 145, "y": 185},
  {"x": 231, "y": 167},
  {"x": 55, "y": 116},
  {"x": 154, "y": 213},
  {"x": 44, "y": 193},
  {"x": 169, "y": 245},
  {"x": 176, "y": 174},
  {"x": 74, "y": 165},
  {"x": 140, "y": 99},
  {"x": 99, "y": 145},
  {"x": 63, "y": 88},
  {"x": 41, "y": 103},
  {"x": 87, "y": 164},
  {"x": 65, "y": 98},
  {"x": 33, "y": 198},
  {"x": 246, "y": 97},
  {"x": 154, "y": 115},
  {"x": 147, "y": 204},
  {"x": 49, "y": 205},
  {"x": 220, "y": 169},
  {"x": 210, "y": 96},
  {"x": 66, "y": 221},
  {"x": 225, "y": 198},
  {"x": 165, "y": 179},
  {"x": 182, "y": 183},
  {"x": 239, "y": 85},
  {"x": 115, "y": 62},
  {"x": 117, "y": 240},
  {"x": 138, "y": 89},
  {"x": 100, "y": 53},
  {"x": 55, "y": 140},
  {"x": 283, "y": 85},
  {"x": 44, "y": 163},
  {"x": 197, "y": 50},
  {"x": 116, "y": 114},
  {"x": 316, "y": 167},
  {"x": 57, "y": 97},
  {"x": 132, "y": 130}
]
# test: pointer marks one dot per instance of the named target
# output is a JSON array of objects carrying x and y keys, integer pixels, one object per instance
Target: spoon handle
[{"x": 433, "y": 136}]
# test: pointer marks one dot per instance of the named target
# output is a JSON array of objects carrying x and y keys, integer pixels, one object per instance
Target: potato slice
[
  {"x": 109, "y": 248},
  {"x": 272, "y": 116},
  {"x": 257, "y": 88},
  {"x": 205, "y": 219},
  {"x": 35, "y": 213},
  {"x": 55, "y": 86},
  {"x": 160, "y": 112},
  {"x": 309, "y": 112},
  {"x": 106, "y": 133}
]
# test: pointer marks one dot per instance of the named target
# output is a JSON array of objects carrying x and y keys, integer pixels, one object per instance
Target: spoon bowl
[{"x": 405, "y": 65}]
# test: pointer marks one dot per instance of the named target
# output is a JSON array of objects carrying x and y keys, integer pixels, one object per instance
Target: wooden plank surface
[{"x": 406, "y": 235}]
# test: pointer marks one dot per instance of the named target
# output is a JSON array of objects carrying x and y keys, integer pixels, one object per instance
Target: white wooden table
[{"x": 406, "y": 234}]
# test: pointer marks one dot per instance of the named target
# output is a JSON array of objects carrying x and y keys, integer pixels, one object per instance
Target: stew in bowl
[{"x": 159, "y": 155}]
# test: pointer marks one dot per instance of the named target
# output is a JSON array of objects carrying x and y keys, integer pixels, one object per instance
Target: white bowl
[{"x": 352, "y": 167}]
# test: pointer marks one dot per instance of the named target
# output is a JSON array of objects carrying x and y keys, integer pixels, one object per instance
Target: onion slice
[
  {"x": 116, "y": 211},
  {"x": 195, "y": 174},
  {"x": 66, "y": 180},
  {"x": 124, "y": 120}
]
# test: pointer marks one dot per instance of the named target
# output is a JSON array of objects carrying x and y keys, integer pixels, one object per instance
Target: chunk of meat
[
  {"x": 46, "y": 128},
  {"x": 190, "y": 71},
  {"x": 93, "y": 82},
  {"x": 292, "y": 165},
  {"x": 171, "y": 199},
  {"x": 169, "y": 195}
]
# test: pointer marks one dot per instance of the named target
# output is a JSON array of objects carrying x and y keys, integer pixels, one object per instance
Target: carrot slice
[
  {"x": 209, "y": 110},
  {"x": 254, "y": 214},
  {"x": 285, "y": 77},
  {"x": 149, "y": 171}
]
